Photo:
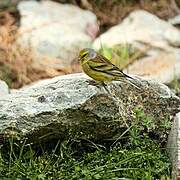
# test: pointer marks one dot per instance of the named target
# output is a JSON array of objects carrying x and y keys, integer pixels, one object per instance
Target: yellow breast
[{"x": 96, "y": 75}]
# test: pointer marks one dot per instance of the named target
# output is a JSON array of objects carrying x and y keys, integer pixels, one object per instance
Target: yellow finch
[{"x": 100, "y": 68}]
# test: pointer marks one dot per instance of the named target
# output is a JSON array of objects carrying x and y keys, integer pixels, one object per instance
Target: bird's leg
[
  {"x": 94, "y": 83},
  {"x": 115, "y": 85},
  {"x": 99, "y": 84},
  {"x": 106, "y": 87}
]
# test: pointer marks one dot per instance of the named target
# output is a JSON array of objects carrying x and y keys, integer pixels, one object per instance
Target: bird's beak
[{"x": 79, "y": 58}]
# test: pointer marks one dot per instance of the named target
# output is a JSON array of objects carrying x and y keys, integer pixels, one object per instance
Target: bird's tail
[
  {"x": 133, "y": 84},
  {"x": 132, "y": 81}
]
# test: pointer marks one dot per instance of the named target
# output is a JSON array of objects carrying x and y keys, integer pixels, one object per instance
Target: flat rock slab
[{"x": 74, "y": 104}]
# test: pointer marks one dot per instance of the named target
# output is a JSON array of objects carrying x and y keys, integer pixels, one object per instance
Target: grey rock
[
  {"x": 73, "y": 104},
  {"x": 173, "y": 147}
]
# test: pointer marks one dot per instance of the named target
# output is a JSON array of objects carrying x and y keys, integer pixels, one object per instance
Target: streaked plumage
[{"x": 100, "y": 68}]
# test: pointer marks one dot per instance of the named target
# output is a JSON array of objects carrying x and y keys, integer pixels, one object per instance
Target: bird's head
[{"x": 86, "y": 54}]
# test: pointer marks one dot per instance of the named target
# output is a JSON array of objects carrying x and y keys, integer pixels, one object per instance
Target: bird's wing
[{"x": 102, "y": 64}]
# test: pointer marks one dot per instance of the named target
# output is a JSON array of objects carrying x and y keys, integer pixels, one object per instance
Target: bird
[{"x": 101, "y": 69}]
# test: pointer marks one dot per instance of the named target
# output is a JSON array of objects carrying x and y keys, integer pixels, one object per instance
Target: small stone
[
  {"x": 4, "y": 89},
  {"x": 41, "y": 99},
  {"x": 175, "y": 21}
]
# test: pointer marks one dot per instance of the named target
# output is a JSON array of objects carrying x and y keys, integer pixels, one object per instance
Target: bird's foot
[
  {"x": 105, "y": 87},
  {"x": 99, "y": 85},
  {"x": 94, "y": 83}
]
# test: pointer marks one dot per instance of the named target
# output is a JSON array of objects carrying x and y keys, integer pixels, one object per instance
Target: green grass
[
  {"x": 122, "y": 54},
  {"x": 175, "y": 86},
  {"x": 135, "y": 155}
]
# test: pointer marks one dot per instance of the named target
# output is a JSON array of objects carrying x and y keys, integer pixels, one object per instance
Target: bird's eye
[{"x": 92, "y": 54}]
